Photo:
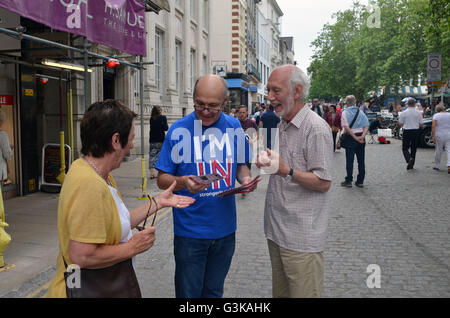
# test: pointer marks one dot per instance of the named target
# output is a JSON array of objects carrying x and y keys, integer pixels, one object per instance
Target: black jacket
[{"x": 158, "y": 127}]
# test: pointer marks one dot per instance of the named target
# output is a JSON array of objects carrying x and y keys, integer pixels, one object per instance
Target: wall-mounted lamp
[
  {"x": 112, "y": 63},
  {"x": 43, "y": 80},
  {"x": 69, "y": 66}
]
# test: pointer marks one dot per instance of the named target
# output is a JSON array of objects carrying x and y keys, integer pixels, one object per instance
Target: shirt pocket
[{"x": 297, "y": 158}]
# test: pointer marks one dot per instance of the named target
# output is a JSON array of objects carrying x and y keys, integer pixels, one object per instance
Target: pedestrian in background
[
  {"x": 269, "y": 123},
  {"x": 356, "y": 141},
  {"x": 249, "y": 127},
  {"x": 326, "y": 110},
  {"x": 441, "y": 136},
  {"x": 333, "y": 119},
  {"x": 204, "y": 240},
  {"x": 296, "y": 208},
  {"x": 411, "y": 120},
  {"x": 94, "y": 226},
  {"x": 317, "y": 108},
  {"x": 158, "y": 128}
]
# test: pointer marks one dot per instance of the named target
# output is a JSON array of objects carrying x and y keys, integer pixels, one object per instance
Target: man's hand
[
  {"x": 272, "y": 163},
  {"x": 360, "y": 139},
  {"x": 193, "y": 186}
]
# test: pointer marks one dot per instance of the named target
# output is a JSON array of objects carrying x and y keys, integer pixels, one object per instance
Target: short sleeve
[
  {"x": 344, "y": 119},
  {"x": 320, "y": 154},
  {"x": 165, "y": 161},
  {"x": 87, "y": 218}
]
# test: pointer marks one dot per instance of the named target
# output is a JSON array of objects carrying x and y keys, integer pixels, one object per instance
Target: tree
[{"x": 355, "y": 57}]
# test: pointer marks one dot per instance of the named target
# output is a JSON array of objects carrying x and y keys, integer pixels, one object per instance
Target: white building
[{"x": 178, "y": 43}]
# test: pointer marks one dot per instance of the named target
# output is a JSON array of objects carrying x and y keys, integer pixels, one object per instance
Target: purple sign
[{"x": 119, "y": 24}]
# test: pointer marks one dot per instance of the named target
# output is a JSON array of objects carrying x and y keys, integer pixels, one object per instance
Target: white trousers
[{"x": 442, "y": 142}]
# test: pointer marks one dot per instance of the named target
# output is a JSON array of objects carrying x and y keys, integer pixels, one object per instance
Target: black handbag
[
  {"x": 345, "y": 138},
  {"x": 116, "y": 281}
]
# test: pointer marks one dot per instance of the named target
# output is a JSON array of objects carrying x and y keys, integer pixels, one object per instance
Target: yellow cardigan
[{"x": 87, "y": 213}]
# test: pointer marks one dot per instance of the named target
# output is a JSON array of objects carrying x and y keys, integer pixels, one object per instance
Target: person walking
[
  {"x": 316, "y": 107},
  {"x": 411, "y": 120},
  {"x": 249, "y": 127},
  {"x": 440, "y": 130},
  {"x": 158, "y": 128},
  {"x": 297, "y": 199},
  {"x": 269, "y": 123},
  {"x": 356, "y": 144},
  {"x": 205, "y": 142},
  {"x": 333, "y": 119},
  {"x": 94, "y": 226}
]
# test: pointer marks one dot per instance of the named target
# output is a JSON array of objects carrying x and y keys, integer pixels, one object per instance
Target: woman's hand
[
  {"x": 168, "y": 199},
  {"x": 142, "y": 241}
]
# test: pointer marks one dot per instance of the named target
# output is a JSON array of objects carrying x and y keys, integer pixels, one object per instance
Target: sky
[{"x": 304, "y": 19}]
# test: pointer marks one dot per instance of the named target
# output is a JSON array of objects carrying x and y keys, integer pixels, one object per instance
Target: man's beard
[{"x": 287, "y": 106}]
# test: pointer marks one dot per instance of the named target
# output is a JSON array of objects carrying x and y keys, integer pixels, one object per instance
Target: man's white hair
[
  {"x": 298, "y": 77},
  {"x": 350, "y": 100}
]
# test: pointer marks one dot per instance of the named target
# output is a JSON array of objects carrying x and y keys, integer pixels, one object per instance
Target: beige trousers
[{"x": 295, "y": 274}]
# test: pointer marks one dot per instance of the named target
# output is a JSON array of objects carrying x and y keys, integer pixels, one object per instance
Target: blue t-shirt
[{"x": 191, "y": 149}]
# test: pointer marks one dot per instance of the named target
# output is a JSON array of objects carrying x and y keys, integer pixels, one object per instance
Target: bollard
[
  {"x": 62, "y": 170},
  {"x": 144, "y": 180},
  {"x": 5, "y": 238}
]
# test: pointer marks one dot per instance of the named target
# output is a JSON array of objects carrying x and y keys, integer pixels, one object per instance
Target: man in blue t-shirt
[{"x": 205, "y": 142}]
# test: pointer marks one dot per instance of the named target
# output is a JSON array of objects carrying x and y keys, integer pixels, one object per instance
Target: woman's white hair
[{"x": 298, "y": 77}]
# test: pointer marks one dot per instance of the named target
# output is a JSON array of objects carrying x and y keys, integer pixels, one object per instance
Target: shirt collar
[{"x": 298, "y": 119}]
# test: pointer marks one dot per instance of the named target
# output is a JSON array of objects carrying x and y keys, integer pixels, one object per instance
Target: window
[
  {"x": 194, "y": 9},
  {"x": 205, "y": 14},
  {"x": 159, "y": 60},
  {"x": 178, "y": 66},
  {"x": 193, "y": 68}
]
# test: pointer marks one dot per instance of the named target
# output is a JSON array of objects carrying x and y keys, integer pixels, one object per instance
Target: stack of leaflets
[{"x": 243, "y": 189}]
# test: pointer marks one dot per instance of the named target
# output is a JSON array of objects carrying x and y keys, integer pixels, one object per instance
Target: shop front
[{"x": 239, "y": 88}]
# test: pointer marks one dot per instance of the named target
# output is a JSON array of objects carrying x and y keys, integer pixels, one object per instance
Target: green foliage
[{"x": 356, "y": 56}]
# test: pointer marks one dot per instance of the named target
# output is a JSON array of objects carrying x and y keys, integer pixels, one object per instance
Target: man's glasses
[
  {"x": 151, "y": 199},
  {"x": 212, "y": 109}
]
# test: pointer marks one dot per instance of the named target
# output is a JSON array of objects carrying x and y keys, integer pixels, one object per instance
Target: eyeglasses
[
  {"x": 212, "y": 109},
  {"x": 151, "y": 199}
]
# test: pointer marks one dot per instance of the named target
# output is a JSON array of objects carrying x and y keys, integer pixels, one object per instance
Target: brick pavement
[{"x": 399, "y": 221}]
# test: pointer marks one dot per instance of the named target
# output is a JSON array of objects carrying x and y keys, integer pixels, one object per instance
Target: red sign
[{"x": 6, "y": 100}]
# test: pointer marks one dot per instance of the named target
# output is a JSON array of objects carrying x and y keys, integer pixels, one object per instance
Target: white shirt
[
  {"x": 442, "y": 124},
  {"x": 411, "y": 119},
  {"x": 125, "y": 219}
]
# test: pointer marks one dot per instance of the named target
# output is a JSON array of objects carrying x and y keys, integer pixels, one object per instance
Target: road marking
[
  {"x": 37, "y": 291},
  {"x": 7, "y": 267},
  {"x": 163, "y": 213}
]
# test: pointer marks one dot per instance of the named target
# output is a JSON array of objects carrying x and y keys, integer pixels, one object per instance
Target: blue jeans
[
  {"x": 355, "y": 148},
  {"x": 201, "y": 266}
]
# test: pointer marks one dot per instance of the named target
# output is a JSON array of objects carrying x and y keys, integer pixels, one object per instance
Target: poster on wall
[{"x": 7, "y": 126}]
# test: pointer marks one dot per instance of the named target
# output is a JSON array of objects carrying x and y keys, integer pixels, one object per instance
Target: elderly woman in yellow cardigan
[{"x": 94, "y": 226}]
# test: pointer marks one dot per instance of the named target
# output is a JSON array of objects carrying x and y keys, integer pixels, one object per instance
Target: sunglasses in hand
[{"x": 141, "y": 228}]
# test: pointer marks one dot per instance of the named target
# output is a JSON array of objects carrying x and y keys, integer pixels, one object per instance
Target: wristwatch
[{"x": 289, "y": 176}]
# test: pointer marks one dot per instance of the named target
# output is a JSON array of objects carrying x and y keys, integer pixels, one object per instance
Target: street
[{"x": 399, "y": 222}]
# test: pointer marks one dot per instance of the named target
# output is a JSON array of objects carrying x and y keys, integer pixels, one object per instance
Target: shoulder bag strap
[{"x": 354, "y": 119}]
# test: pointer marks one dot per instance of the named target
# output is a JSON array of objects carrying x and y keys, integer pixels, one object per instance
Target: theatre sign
[{"x": 119, "y": 24}]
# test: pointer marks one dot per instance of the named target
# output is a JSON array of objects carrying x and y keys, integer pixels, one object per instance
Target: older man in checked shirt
[{"x": 296, "y": 216}]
